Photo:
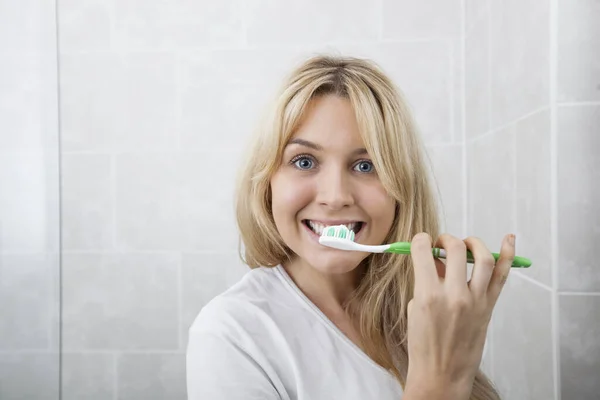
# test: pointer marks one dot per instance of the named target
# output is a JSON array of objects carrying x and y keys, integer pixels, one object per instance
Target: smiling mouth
[{"x": 318, "y": 227}]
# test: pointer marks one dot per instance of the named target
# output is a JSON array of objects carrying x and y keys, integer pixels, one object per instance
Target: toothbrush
[{"x": 342, "y": 238}]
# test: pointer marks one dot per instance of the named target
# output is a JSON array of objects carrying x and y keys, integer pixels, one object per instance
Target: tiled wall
[
  {"x": 29, "y": 202},
  {"x": 532, "y": 105},
  {"x": 157, "y": 100}
]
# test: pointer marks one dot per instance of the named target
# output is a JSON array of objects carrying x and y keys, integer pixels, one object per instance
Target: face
[{"x": 327, "y": 178}]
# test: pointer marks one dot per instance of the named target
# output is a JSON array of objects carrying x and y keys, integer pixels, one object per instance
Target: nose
[{"x": 335, "y": 189}]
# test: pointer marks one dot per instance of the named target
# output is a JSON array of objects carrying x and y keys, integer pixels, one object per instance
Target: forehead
[{"x": 329, "y": 120}]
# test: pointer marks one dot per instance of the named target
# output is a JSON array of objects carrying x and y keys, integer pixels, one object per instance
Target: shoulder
[
  {"x": 232, "y": 336},
  {"x": 247, "y": 304}
]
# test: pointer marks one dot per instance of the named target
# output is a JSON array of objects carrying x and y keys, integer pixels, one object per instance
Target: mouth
[{"x": 317, "y": 227}]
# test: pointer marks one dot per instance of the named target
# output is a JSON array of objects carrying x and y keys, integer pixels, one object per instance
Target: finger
[
  {"x": 456, "y": 261},
  {"x": 482, "y": 267},
  {"x": 502, "y": 269},
  {"x": 423, "y": 263},
  {"x": 441, "y": 267}
]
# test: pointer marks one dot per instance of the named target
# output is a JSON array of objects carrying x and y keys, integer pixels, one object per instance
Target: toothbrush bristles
[{"x": 339, "y": 231}]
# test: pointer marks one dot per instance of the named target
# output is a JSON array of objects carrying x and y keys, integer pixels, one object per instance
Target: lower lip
[{"x": 316, "y": 237}]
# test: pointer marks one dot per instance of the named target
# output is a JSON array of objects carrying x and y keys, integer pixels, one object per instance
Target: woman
[{"x": 311, "y": 322}]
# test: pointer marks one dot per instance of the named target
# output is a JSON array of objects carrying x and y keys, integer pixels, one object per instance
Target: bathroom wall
[
  {"x": 532, "y": 106},
  {"x": 29, "y": 202},
  {"x": 155, "y": 102},
  {"x": 157, "y": 99}
]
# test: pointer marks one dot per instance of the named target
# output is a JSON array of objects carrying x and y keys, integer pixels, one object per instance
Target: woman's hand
[{"x": 448, "y": 316}]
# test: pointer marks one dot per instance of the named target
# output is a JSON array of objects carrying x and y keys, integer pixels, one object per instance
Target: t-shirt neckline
[{"x": 305, "y": 300}]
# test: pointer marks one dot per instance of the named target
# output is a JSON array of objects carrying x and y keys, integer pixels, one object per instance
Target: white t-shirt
[{"x": 264, "y": 339}]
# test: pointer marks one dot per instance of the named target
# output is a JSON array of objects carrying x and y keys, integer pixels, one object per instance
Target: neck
[{"x": 327, "y": 291}]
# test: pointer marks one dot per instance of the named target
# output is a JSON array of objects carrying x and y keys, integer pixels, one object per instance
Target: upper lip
[{"x": 333, "y": 221}]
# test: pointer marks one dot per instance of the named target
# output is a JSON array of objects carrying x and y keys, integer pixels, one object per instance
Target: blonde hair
[{"x": 379, "y": 304}]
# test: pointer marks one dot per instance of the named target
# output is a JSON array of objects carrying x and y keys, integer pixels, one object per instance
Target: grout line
[
  {"x": 60, "y": 202},
  {"x": 142, "y": 252},
  {"x": 91, "y": 352},
  {"x": 442, "y": 144},
  {"x": 173, "y": 150},
  {"x": 579, "y": 103},
  {"x": 552, "y": 32},
  {"x": 463, "y": 133},
  {"x": 180, "y": 302},
  {"x": 567, "y": 293},
  {"x": 244, "y": 45},
  {"x": 178, "y": 99},
  {"x": 115, "y": 381},
  {"x": 41, "y": 350},
  {"x": 95, "y": 352},
  {"x": 244, "y": 23},
  {"x": 113, "y": 187},
  {"x": 488, "y": 18},
  {"x": 511, "y": 123},
  {"x": 451, "y": 50},
  {"x": 532, "y": 280},
  {"x": 381, "y": 11}
]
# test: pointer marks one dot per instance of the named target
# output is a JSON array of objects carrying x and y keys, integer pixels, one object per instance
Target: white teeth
[{"x": 318, "y": 227}]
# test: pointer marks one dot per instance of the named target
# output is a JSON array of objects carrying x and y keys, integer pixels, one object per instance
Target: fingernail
[{"x": 511, "y": 240}]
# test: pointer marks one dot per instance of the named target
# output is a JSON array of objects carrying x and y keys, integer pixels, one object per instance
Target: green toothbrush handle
[
  {"x": 518, "y": 262},
  {"x": 404, "y": 248}
]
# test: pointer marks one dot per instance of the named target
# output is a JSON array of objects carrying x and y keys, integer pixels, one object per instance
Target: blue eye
[
  {"x": 303, "y": 162},
  {"x": 364, "y": 166}
]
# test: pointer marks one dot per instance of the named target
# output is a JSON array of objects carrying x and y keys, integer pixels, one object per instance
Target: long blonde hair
[{"x": 379, "y": 305}]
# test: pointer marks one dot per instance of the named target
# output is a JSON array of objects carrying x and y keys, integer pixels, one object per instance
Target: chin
[
  {"x": 332, "y": 261},
  {"x": 324, "y": 259}
]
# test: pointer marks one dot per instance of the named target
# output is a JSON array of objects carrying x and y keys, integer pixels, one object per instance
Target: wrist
[{"x": 431, "y": 388}]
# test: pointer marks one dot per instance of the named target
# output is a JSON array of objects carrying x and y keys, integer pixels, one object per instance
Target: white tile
[
  {"x": 264, "y": 64},
  {"x": 167, "y": 372},
  {"x": 84, "y": 25},
  {"x": 533, "y": 179},
  {"x": 579, "y": 327},
  {"x": 578, "y": 48},
  {"x": 177, "y": 201},
  {"x": 29, "y": 201},
  {"x": 28, "y": 101},
  {"x": 203, "y": 277},
  {"x": 157, "y": 24},
  {"x": 311, "y": 21},
  {"x": 578, "y": 198},
  {"x": 475, "y": 10},
  {"x": 28, "y": 26},
  {"x": 520, "y": 62},
  {"x": 477, "y": 80},
  {"x": 30, "y": 301},
  {"x": 120, "y": 302},
  {"x": 422, "y": 72},
  {"x": 490, "y": 186},
  {"x": 447, "y": 169},
  {"x": 88, "y": 376},
  {"x": 523, "y": 346},
  {"x": 220, "y": 116},
  {"x": 88, "y": 202},
  {"x": 118, "y": 102},
  {"x": 31, "y": 376},
  {"x": 458, "y": 95},
  {"x": 423, "y": 19}
]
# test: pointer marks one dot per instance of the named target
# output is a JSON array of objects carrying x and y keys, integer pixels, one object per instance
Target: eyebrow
[{"x": 314, "y": 146}]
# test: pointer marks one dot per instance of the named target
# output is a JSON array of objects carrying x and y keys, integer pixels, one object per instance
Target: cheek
[
  {"x": 288, "y": 195},
  {"x": 380, "y": 205}
]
